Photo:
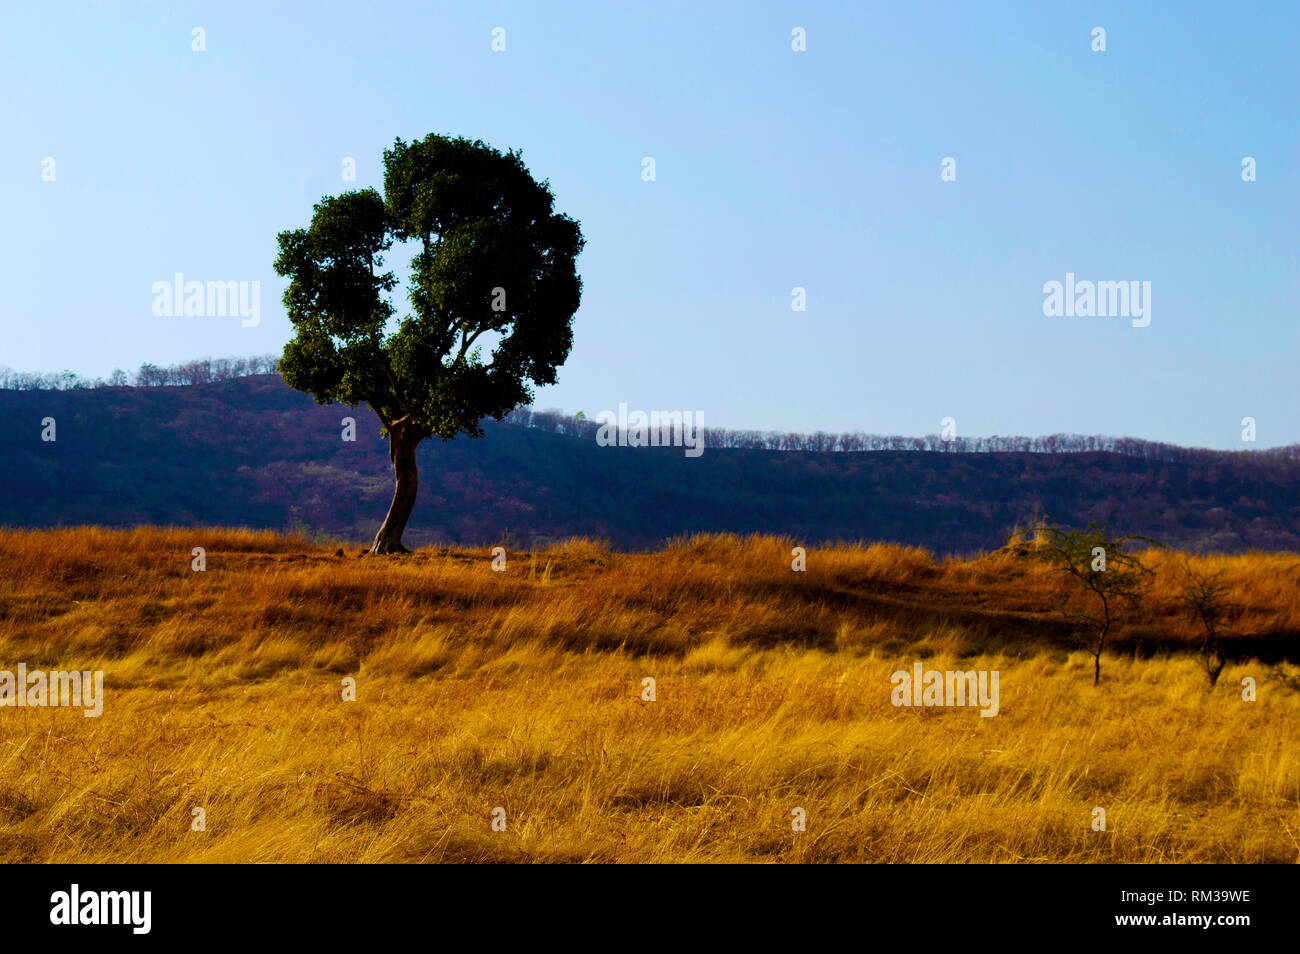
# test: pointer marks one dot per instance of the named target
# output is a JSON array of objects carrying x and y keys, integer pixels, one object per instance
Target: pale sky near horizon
[{"x": 775, "y": 169}]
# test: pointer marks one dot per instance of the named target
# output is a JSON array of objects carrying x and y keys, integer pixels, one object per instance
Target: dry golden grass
[{"x": 522, "y": 690}]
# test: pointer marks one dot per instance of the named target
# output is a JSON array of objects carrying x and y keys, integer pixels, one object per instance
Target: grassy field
[{"x": 522, "y": 690}]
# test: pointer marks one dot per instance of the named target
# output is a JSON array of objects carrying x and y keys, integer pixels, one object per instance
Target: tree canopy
[{"x": 494, "y": 266}]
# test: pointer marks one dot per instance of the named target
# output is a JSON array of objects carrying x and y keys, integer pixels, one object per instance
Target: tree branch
[{"x": 464, "y": 344}]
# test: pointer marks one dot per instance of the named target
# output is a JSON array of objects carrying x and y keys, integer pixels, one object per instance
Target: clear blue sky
[{"x": 775, "y": 169}]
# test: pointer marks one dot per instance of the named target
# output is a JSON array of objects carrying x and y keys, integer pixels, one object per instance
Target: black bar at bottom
[{"x": 333, "y": 903}]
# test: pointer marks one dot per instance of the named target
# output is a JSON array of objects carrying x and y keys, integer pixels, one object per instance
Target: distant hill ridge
[
  {"x": 215, "y": 370},
  {"x": 558, "y": 422},
  {"x": 249, "y": 451}
]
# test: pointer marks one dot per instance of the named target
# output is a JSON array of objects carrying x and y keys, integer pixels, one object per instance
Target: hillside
[
  {"x": 251, "y": 452},
  {"x": 525, "y": 692}
]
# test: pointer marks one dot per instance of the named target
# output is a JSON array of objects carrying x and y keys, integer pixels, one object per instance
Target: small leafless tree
[
  {"x": 1102, "y": 580},
  {"x": 1205, "y": 596}
]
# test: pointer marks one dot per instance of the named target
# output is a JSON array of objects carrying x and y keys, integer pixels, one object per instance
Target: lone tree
[
  {"x": 493, "y": 258},
  {"x": 1102, "y": 580},
  {"x": 1205, "y": 598}
]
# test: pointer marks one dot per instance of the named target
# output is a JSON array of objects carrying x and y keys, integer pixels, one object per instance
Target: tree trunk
[{"x": 401, "y": 450}]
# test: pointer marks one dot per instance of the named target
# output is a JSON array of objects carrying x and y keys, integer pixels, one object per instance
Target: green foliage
[{"x": 493, "y": 259}]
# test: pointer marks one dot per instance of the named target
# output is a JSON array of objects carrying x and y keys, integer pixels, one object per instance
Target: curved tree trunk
[{"x": 401, "y": 450}]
